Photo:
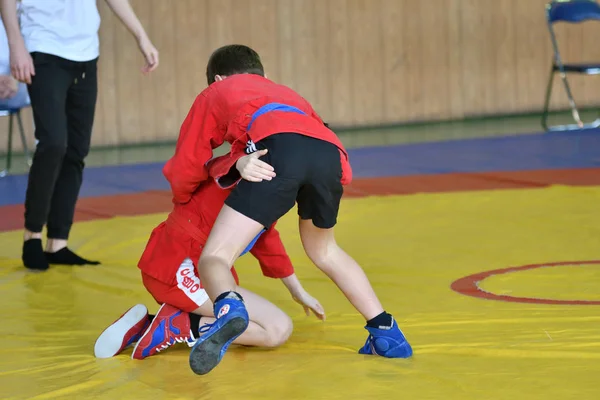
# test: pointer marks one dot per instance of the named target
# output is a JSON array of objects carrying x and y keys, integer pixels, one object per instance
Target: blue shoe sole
[
  {"x": 205, "y": 356},
  {"x": 407, "y": 352}
]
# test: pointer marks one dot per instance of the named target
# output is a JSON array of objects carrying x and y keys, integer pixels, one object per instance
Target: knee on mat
[{"x": 279, "y": 332}]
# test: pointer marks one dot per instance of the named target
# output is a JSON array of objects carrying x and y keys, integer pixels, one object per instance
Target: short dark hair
[{"x": 233, "y": 59}]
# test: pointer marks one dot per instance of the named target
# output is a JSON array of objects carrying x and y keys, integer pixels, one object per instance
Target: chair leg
[
  {"x": 574, "y": 110},
  {"x": 8, "y": 148},
  {"x": 547, "y": 100},
  {"x": 579, "y": 124},
  {"x": 24, "y": 140}
]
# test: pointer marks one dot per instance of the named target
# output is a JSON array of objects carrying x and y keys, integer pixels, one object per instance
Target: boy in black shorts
[{"x": 303, "y": 162}]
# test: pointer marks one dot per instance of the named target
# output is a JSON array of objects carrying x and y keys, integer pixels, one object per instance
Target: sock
[
  {"x": 66, "y": 257},
  {"x": 229, "y": 295},
  {"x": 195, "y": 324},
  {"x": 33, "y": 255},
  {"x": 382, "y": 321}
]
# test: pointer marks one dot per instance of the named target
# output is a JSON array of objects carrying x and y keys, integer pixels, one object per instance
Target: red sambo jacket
[
  {"x": 183, "y": 235},
  {"x": 222, "y": 113}
]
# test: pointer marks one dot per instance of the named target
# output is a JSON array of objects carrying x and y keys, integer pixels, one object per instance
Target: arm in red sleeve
[
  {"x": 223, "y": 170},
  {"x": 200, "y": 133},
  {"x": 271, "y": 254}
]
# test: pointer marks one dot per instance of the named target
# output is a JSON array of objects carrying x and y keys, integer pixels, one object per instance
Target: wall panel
[{"x": 357, "y": 61}]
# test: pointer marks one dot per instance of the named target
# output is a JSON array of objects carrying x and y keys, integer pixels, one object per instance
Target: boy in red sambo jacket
[{"x": 170, "y": 276}]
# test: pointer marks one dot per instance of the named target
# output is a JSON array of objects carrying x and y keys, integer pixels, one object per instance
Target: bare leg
[
  {"x": 320, "y": 246},
  {"x": 54, "y": 245},
  {"x": 31, "y": 235},
  {"x": 269, "y": 326},
  {"x": 229, "y": 236}
]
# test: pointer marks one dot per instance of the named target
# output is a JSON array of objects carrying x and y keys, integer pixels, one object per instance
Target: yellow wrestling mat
[{"x": 412, "y": 247}]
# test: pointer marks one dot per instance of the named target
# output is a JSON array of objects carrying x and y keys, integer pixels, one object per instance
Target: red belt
[{"x": 186, "y": 225}]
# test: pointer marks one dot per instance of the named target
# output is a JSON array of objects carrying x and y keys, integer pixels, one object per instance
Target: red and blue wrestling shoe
[
  {"x": 232, "y": 321},
  {"x": 169, "y": 326},
  {"x": 387, "y": 342},
  {"x": 123, "y": 332}
]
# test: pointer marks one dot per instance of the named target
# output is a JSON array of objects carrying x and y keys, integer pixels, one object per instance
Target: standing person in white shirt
[{"x": 55, "y": 51}]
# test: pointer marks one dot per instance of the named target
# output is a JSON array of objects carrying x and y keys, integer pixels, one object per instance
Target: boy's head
[{"x": 231, "y": 60}]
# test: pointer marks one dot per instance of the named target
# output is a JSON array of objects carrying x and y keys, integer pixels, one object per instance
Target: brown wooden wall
[{"x": 358, "y": 61}]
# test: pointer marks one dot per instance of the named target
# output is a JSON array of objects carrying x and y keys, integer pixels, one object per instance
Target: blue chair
[
  {"x": 572, "y": 12},
  {"x": 12, "y": 109}
]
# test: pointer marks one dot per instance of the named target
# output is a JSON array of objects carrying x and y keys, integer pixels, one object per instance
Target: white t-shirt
[
  {"x": 4, "y": 52},
  {"x": 64, "y": 28}
]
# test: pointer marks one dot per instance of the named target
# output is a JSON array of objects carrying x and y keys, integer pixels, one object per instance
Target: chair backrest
[{"x": 572, "y": 11}]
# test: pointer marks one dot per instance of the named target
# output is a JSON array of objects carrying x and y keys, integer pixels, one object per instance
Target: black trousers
[{"x": 63, "y": 99}]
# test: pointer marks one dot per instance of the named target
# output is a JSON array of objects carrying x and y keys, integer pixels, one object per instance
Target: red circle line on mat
[{"x": 469, "y": 285}]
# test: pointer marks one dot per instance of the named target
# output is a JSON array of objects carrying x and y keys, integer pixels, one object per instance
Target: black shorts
[{"x": 309, "y": 172}]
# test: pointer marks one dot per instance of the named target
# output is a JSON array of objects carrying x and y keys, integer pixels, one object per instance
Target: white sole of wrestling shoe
[{"x": 115, "y": 338}]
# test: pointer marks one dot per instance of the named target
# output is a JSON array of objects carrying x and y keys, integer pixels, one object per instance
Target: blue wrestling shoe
[
  {"x": 389, "y": 343},
  {"x": 209, "y": 349}
]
